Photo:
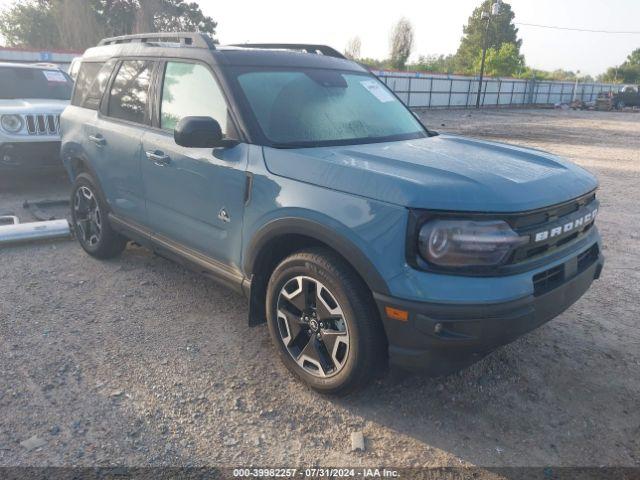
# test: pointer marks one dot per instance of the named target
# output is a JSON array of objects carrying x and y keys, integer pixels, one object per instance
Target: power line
[{"x": 579, "y": 29}]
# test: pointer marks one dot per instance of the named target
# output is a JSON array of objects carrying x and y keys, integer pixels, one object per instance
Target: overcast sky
[{"x": 438, "y": 26}]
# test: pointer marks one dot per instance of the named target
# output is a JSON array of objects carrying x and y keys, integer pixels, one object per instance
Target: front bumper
[
  {"x": 443, "y": 338},
  {"x": 30, "y": 155}
]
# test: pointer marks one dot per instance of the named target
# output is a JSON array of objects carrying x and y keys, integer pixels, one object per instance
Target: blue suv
[{"x": 294, "y": 176}]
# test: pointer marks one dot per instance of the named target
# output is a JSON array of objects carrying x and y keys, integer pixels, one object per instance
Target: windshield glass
[
  {"x": 19, "y": 82},
  {"x": 312, "y": 107}
]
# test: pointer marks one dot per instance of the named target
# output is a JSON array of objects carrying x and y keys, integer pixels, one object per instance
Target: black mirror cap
[{"x": 198, "y": 132}]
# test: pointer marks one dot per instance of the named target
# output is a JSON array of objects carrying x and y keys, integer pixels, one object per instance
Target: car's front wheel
[
  {"x": 90, "y": 222},
  {"x": 323, "y": 322}
]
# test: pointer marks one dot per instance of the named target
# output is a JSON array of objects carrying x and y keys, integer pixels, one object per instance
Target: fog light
[
  {"x": 7, "y": 155},
  {"x": 437, "y": 328}
]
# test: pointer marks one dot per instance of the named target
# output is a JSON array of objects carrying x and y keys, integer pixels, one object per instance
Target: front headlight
[
  {"x": 12, "y": 123},
  {"x": 467, "y": 243}
]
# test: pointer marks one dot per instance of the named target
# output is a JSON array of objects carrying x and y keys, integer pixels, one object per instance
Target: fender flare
[
  {"x": 75, "y": 154},
  {"x": 325, "y": 234}
]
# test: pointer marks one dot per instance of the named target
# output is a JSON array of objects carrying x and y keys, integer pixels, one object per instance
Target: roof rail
[
  {"x": 305, "y": 47},
  {"x": 189, "y": 39}
]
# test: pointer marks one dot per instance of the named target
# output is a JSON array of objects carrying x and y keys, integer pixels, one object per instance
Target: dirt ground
[{"x": 137, "y": 361}]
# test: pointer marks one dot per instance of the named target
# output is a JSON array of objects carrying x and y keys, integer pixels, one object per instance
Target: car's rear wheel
[
  {"x": 90, "y": 221},
  {"x": 323, "y": 322}
]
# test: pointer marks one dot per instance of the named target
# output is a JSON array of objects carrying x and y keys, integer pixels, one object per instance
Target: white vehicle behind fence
[{"x": 32, "y": 97}]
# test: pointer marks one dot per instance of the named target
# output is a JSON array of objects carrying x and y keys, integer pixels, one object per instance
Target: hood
[
  {"x": 34, "y": 105},
  {"x": 444, "y": 172}
]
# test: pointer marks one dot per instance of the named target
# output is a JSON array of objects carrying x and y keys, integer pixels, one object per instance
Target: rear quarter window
[{"x": 91, "y": 83}]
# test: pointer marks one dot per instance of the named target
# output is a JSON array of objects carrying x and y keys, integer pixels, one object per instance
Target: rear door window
[{"x": 129, "y": 94}]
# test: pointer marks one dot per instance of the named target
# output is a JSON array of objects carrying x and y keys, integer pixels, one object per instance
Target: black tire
[
  {"x": 92, "y": 227},
  {"x": 341, "y": 290}
]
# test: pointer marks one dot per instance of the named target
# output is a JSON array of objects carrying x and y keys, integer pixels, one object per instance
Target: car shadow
[{"x": 537, "y": 401}]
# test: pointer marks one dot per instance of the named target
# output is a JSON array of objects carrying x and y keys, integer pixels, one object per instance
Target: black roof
[
  {"x": 281, "y": 58},
  {"x": 268, "y": 55}
]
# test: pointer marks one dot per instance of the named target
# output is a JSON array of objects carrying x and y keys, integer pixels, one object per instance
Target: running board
[{"x": 203, "y": 264}]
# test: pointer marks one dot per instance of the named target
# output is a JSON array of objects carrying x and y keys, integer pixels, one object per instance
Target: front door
[{"x": 194, "y": 196}]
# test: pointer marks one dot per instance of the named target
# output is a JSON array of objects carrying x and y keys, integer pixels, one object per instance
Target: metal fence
[{"x": 420, "y": 90}]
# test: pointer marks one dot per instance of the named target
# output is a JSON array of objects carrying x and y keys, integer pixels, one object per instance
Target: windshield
[
  {"x": 19, "y": 82},
  {"x": 312, "y": 107}
]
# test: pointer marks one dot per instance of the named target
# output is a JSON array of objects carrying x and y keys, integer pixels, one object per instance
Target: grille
[
  {"x": 43, "y": 124},
  {"x": 549, "y": 219},
  {"x": 546, "y": 281},
  {"x": 586, "y": 258}
]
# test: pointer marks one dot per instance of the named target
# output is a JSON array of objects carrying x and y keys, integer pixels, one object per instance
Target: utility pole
[
  {"x": 575, "y": 87},
  {"x": 495, "y": 10}
]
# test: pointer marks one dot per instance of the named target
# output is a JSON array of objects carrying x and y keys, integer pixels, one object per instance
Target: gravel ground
[{"x": 137, "y": 361}]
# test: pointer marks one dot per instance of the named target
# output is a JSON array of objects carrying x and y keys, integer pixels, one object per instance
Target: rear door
[
  {"x": 117, "y": 137},
  {"x": 78, "y": 121},
  {"x": 194, "y": 196}
]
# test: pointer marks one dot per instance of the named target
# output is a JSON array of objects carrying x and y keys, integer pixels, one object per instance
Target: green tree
[
  {"x": 118, "y": 16},
  {"x": 352, "y": 51},
  {"x": 375, "y": 63},
  {"x": 502, "y": 62},
  {"x": 172, "y": 16},
  {"x": 79, "y": 24},
  {"x": 628, "y": 72},
  {"x": 401, "y": 43},
  {"x": 434, "y": 63},
  {"x": 29, "y": 23},
  {"x": 501, "y": 30}
]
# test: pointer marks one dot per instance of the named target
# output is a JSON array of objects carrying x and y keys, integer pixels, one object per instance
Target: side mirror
[{"x": 198, "y": 132}]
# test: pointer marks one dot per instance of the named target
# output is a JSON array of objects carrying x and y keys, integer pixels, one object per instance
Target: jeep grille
[{"x": 43, "y": 124}]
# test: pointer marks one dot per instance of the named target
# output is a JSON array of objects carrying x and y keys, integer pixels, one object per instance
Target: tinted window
[
  {"x": 90, "y": 84},
  {"x": 94, "y": 95},
  {"x": 190, "y": 90},
  {"x": 130, "y": 91},
  {"x": 310, "y": 107},
  {"x": 86, "y": 76},
  {"x": 74, "y": 68},
  {"x": 20, "y": 82}
]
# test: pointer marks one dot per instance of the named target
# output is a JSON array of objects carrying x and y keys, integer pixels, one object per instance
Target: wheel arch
[
  {"x": 78, "y": 164},
  {"x": 282, "y": 237}
]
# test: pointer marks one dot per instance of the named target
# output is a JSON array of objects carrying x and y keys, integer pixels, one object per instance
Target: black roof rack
[
  {"x": 189, "y": 39},
  {"x": 309, "y": 48}
]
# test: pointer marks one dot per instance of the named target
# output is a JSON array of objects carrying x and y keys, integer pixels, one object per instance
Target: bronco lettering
[{"x": 554, "y": 232}]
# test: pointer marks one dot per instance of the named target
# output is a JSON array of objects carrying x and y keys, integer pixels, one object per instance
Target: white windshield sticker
[
  {"x": 53, "y": 76},
  {"x": 378, "y": 91}
]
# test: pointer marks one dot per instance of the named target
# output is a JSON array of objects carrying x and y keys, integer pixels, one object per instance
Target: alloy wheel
[
  {"x": 312, "y": 326},
  {"x": 87, "y": 216}
]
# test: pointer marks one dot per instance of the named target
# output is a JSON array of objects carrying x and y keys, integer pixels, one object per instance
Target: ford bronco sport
[{"x": 294, "y": 176}]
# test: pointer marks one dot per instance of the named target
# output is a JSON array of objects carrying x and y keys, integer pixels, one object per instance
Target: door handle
[
  {"x": 159, "y": 158},
  {"x": 98, "y": 140}
]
